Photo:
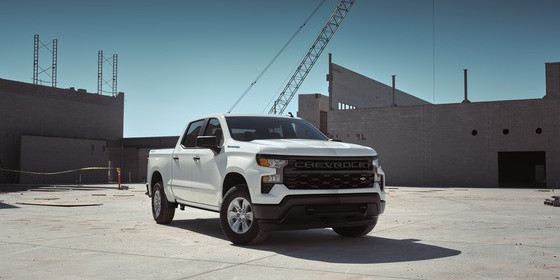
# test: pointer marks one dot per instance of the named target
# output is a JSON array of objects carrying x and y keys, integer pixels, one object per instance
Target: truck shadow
[{"x": 326, "y": 246}]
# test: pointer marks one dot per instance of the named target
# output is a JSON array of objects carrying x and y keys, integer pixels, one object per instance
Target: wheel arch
[
  {"x": 157, "y": 177},
  {"x": 231, "y": 180}
]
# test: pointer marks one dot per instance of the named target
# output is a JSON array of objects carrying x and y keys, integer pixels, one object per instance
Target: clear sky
[{"x": 182, "y": 59}]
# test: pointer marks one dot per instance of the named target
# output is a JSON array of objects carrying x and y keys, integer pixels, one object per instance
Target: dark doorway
[
  {"x": 323, "y": 121},
  {"x": 522, "y": 169}
]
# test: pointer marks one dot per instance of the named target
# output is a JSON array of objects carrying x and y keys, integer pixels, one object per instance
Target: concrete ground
[{"x": 425, "y": 233}]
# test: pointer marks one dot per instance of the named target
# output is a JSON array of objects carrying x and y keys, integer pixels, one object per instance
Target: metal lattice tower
[
  {"x": 100, "y": 81},
  {"x": 311, "y": 57},
  {"x": 37, "y": 45},
  {"x": 36, "y": 59},
  {"x": 54, "y": 61},
  {"x": 115, "y": 59},
  {"x": 100, "y": 72}
]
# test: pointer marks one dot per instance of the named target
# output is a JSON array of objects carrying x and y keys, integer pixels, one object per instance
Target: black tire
[
  {"x": 356, "y": 231},
  {"x": 162, "y": 210},
  {"x": 240, "y": 226}
]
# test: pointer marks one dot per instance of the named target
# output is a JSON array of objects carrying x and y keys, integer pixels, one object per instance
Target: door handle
[
  {"x": 175, "y": 158},
  {"x": 196, "y": 158}
]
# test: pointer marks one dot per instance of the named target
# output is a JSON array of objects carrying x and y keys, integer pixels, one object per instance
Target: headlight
[
  {"x": 272, "y": 163},
  {"x": 379, "y": 177},
  {"x": 375, "y": 164},
  {"x": 267, "y": 181}
]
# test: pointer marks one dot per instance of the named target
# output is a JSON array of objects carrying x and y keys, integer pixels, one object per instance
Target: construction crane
[{"x": 311, "y": 57}]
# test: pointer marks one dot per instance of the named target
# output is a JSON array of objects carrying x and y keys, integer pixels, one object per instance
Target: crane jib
[{"x": 311, "y": 57}]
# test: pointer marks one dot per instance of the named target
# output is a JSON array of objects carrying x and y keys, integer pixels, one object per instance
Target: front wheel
[
  {"x": 237, "y": 217},
  {"x": 162, "y": 210}
]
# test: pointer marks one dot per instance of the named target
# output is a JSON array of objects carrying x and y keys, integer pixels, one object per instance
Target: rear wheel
[
  {"x": 237, "y": 218},
  {"x": 162, "y": 210}
]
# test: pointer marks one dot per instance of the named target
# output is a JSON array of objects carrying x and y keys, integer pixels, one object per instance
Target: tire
[
  {"x": 162, "y": 210},
  {"x": 356, "y": 231},
  {"x": 237, "y": 219}
]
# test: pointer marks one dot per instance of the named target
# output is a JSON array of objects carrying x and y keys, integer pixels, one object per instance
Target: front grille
[
  {"x": 329, "y": 173},
  {"x": 328, "y": 181}
]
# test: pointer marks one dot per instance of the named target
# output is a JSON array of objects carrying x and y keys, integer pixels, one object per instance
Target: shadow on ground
[
  {"x": 7, "y": 206},
  {"x": 326, "y": 246}
]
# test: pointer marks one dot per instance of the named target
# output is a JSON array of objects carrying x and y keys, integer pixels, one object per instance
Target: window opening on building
[{"x": 343, "y": 106}]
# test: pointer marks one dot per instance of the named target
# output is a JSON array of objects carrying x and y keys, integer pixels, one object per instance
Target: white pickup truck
[{"x": 266, "y": 172}]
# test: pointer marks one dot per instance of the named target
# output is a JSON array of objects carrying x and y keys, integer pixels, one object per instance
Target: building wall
[
  {"x": 434, "y": 145},
  {"x": 41, "y": 110},
  {"x": 9, "y": 154},
  {"x": 552, "y": 79},
  {"x": 315, "y": 103},
  {"x": 131, "y": 155},
  {"x": 54, "y": 154},
  {"x": 350, "y": 88},
  {"x": 28, "y": 109},
  {"x": 447, "y": 145}
]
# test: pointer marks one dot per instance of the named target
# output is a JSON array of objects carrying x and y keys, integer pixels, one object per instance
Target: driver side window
[{"x": 192, "y": 132}]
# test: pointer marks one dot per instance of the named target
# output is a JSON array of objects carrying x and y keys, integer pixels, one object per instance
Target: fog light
[{"x": 276, "y": 178}]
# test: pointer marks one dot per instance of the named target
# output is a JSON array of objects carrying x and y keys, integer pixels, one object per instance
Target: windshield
[{"x": 252, "y": 128}]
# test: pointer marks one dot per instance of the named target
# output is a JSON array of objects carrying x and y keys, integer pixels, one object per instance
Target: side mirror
[{"x": 209, "y": 142}]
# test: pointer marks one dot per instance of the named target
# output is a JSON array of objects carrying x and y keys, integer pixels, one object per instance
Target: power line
[{"x": 275, "y": 57}]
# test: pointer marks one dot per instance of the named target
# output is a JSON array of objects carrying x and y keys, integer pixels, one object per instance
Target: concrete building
[
  {"x": 46, "y": 129},
  {"x": 480, "y": 144}
]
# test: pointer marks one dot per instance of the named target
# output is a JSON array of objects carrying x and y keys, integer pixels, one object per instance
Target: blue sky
[{"x": 182, "y": 59}]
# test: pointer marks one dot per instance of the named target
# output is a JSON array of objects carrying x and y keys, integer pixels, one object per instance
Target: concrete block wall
[
  {"x": 54, "y": 154},
  {"x": 552, "y": 79},
  {"x": 350, "y": 88},
  {"x": 453, "y": 156},
  {"x": 9, "y": 155},
  {"x": 41, "y": 110},
  {"x": 441, "y": 145},
  {"x": 315, "y": 103},
  {"x": 434, "y": 145},
  {"x": 28, "y": 109}
]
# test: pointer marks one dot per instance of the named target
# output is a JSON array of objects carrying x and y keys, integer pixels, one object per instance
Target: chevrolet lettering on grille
[{"x": 333, "y": 165}]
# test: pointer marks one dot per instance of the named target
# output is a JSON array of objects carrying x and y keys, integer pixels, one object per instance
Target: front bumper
[{"x": 320, "y": 211}]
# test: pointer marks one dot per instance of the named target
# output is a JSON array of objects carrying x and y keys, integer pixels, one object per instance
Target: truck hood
[{"x": 304, "y": 147}]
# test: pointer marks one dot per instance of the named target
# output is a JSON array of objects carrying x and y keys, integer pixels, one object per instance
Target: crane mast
[{"x": 311, "y": 57}]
